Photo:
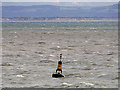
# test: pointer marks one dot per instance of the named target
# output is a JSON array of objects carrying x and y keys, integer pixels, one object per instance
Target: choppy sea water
[{"x": 90, "y": 59}]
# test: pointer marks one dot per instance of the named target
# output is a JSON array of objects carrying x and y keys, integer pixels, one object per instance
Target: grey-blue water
[{"x": 90, "y": 58}]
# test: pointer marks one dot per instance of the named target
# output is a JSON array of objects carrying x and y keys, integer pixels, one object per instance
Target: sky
[
  {"x": 58, "y": 4},
  {"x": 59, "y": 0}
]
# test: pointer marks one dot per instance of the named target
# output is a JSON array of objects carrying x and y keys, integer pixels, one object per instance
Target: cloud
[
  {"x": 75, "y": 3},
  {"x": 59, "y": 0}
]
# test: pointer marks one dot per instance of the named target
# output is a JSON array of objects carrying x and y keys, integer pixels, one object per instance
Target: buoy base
[{"x": 57, "y": 75}]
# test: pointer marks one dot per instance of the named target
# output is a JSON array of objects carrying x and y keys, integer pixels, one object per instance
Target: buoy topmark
[{"x": 59, "y": 68}]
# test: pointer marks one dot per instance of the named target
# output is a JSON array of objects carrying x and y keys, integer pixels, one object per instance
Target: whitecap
[
  {"x": 19, "y": 75},
  {"x": 74, "y": 60},
  {"x": 87, "y": 84},
  {"x": 52, "y": 55},
  {"x": 65, "y": 84},
  {"x": 58, "y": 46}
]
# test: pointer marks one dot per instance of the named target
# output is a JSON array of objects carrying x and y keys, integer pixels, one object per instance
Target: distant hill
[{"x": 59, "y": 11}]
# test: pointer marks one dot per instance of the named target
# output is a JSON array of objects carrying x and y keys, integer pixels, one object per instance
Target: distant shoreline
[{"x": 57, "y": 19}]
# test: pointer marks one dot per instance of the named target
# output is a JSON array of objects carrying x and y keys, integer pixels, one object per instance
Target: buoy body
[
  {"x": 59, "y": 68},
  {"x": 59, "y": 65},
  {"x": 57, "y": 75}
]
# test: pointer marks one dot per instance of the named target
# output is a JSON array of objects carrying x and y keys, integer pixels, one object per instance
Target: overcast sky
[
  {"x": 59, "y": 4},
  {"x": 60, "y": 0}
]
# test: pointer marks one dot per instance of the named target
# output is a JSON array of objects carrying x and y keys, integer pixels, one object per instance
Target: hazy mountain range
[{"x": 59, "y": 11}]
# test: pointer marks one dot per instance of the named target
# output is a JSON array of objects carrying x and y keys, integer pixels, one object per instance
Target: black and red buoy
[{"x": 59, "y": 68}]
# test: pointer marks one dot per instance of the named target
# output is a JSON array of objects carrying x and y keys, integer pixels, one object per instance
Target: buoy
[{"x": 59, "y": 68}]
